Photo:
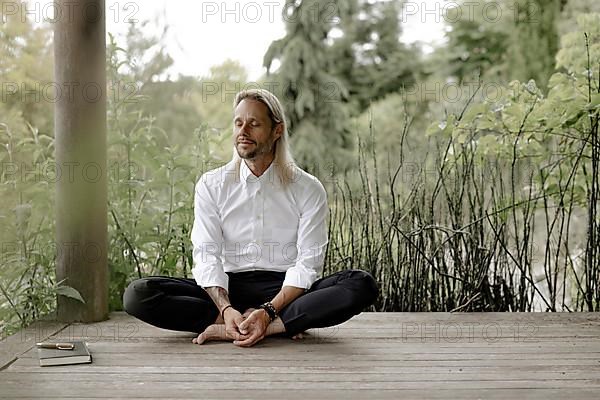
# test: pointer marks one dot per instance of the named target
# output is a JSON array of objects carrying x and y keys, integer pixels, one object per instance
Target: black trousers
[{"x": 180, "y": 304}]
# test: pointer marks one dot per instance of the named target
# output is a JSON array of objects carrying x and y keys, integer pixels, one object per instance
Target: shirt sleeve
[
  {"x": 312, "y": 240},
  {"x": 207, "y": 240}
]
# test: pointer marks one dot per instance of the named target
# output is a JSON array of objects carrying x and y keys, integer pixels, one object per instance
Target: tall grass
[{"x": 477, "y": 227}]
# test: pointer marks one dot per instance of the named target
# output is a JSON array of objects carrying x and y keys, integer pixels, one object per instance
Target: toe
[{"x": 200, "y": 339}]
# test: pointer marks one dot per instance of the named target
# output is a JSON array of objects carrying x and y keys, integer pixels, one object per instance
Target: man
[{"x": 259, "y": 239}]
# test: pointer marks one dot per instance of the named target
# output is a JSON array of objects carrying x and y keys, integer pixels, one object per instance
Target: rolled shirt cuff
[
  {"x": 208, "y": 277},
  {"x": 300, "y": 277}
]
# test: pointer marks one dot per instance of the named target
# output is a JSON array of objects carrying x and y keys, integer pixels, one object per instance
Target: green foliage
[
  {"x": 534, "y": 39},
  {"x": 573, "y": 53},
  {"x": 477, "y": 43},
  {"x": 571, "y": 10},
  {"x": 27, "y": 283},
  {"x": 369, "y": 58},
  {"x": 503, "y": 41},
  {"x": 25, "y": 73},
  {"x": 314, "y": 96},
  {"x": 337, "y": 58},
  {"x": 214, "y": 100}
]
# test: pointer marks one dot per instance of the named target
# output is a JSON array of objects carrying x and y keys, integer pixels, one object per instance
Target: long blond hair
[{"x": 284, "y": 163}]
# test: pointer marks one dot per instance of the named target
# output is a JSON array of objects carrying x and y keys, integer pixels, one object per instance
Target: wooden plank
[
  {"x": 54, "y": 374},
  {"x": 298, "y": 384},
  {"x": 196, "y": 355},
  {"x": 419, "y": 394},
  {"x": 160, "y": 386},
  {"x": 29, "y": 365},
  {"x": 376, "y": 354},
  {"x": 406, "y": 394},
  {"x": 191, "y": 388}
]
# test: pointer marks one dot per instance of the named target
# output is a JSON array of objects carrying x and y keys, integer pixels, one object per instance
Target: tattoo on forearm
[{"x": 219, "y": 296}]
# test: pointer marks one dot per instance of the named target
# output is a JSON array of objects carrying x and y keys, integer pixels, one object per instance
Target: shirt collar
[
  {"x": 246, "y": 175},
  {"x": 245, "y": 172}
]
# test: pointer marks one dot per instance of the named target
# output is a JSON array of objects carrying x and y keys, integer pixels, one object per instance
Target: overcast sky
[{"x": 205, "y": 33}]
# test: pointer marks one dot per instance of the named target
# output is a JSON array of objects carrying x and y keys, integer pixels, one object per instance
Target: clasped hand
[
  {"x": 244, "y": 330},
  {"x": 252, "y": 329}
]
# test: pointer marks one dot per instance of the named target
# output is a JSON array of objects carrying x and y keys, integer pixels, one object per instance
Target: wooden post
[{"x": 80, "y": 144}]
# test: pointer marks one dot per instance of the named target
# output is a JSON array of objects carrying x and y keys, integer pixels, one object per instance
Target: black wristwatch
[{"x": 270, "y": 309}]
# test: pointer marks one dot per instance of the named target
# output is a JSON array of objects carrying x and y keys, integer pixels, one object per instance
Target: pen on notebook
[{"x": 59, "y": 346}]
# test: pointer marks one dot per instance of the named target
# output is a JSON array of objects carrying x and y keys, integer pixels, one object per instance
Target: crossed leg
[{"x": 180, "y": 304}]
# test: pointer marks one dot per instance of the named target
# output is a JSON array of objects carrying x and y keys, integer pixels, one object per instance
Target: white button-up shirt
[{"x": 253, "y": 223}]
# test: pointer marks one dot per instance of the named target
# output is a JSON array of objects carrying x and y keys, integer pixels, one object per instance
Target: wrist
[
  {"x": 265, "y": 315},
  {"x": 225, "y": 309},
  {"x": 270, "y": 310}
]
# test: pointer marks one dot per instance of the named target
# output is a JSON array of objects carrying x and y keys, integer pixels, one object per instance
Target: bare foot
[
  {"x": 212, "y": 332},
  {"x": 216, "y": 331},
  {"x": 298, "y": 336}
]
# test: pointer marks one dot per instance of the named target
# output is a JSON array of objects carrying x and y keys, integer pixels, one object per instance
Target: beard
[
  {"x": 253, "y": 150},
  {"x": 247, "y": 151}
]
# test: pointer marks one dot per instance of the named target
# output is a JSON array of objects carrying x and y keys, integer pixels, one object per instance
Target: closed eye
[{"x": 252, "y": 123}]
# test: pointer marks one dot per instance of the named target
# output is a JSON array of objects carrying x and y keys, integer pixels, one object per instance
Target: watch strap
[{"x": 270, "y": 309}]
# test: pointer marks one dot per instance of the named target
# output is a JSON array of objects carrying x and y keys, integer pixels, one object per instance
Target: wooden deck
[{"x": 372, "y": 356}]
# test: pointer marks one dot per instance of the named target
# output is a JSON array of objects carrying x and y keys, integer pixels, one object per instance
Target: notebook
[{"x": 79, "y": 355}]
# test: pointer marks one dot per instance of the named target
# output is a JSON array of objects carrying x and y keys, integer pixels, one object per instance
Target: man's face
[{"x": 253, "y": 133}]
